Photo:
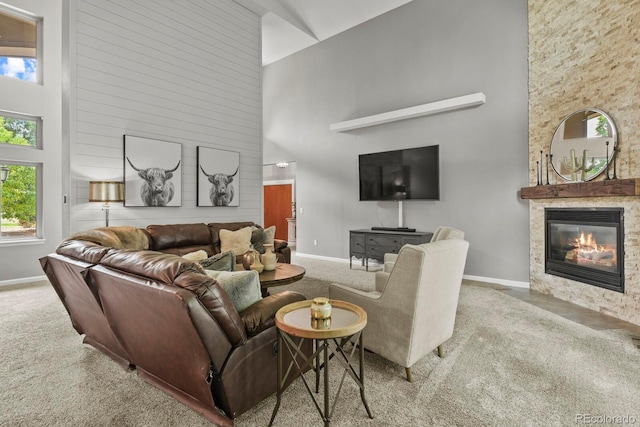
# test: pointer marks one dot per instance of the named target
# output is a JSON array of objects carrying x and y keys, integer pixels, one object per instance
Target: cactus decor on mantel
[
  {"x": 578, "y": 164},
  {"x": 587, "y": 167}
]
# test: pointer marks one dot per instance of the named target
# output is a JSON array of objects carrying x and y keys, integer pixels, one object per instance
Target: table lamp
[{"x": 106, "y": 191}]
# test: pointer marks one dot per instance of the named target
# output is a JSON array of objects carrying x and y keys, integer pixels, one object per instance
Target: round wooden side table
[{"x": 330, "y": 336}]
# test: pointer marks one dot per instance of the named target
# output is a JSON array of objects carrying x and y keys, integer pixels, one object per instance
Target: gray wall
[{"x": 421, "y": 52}]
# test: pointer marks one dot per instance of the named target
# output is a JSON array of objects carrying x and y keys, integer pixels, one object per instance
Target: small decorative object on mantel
[
  {"x": 578, "y": 164},
  {"x": 571, "y": 164},
  {"x": 616, "y": 150},
  {"x": 546, "y": 156},
  {"x": 608, "y": 177},
  {"x": 541, "y": 167},
  {"x": 537, "y": 172},
  {"x": 586, "y": 166}
]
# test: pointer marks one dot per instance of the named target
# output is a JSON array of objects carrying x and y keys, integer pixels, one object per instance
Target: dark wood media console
[{"x": 373, "y": 244}]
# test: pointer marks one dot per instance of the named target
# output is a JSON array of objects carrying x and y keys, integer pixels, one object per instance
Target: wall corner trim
[{"x": 450, "y": 104}]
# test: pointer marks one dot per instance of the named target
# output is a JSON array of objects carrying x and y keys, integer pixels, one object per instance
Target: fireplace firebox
[{"x": 586, "y": 245}]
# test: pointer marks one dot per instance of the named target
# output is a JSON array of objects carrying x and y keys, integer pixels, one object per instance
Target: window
[
  {"x": 16, "y": 129},
  {"x": 19, "y": 181},
  {"x": 19, "y": 46},
  {"x": 18, "y": 210}
]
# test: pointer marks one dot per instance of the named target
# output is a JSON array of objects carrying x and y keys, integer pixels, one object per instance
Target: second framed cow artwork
[{"x": 218, "y": 177}]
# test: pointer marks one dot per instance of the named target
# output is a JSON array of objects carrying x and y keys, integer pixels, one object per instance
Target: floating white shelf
[{"x": 407, "y": 113}]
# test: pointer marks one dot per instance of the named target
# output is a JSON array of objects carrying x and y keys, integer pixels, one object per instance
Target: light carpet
[{"x": 508, "y": 364}]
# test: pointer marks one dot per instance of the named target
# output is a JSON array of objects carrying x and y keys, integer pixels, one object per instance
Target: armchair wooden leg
[
  {"x": 441, "y": 351},
  {"x": 409, "y": 377}
]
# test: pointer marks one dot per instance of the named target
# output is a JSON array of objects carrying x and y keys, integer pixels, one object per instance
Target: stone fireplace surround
[
  {"x": 585, "y": 57},
  {"x": 624, "y": 306}
]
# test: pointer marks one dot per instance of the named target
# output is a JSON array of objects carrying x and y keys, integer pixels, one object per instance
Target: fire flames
[{"x": 587, "y": 252}]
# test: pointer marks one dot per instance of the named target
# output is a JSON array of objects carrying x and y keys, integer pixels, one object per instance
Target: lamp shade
[{"x": 106, "y": 191}]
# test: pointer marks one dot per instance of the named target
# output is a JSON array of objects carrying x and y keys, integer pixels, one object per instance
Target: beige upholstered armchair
[
  {"x": 441, "y": 233},
  {"x": 412, "y": 310}
]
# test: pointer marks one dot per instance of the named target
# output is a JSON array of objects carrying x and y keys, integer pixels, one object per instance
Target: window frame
[
  {"x": 30, "y": 159},
  {"x": 38, "y": 237},
  {"x": 20, "y": 116},
  {"x": 8, "y": 10}
]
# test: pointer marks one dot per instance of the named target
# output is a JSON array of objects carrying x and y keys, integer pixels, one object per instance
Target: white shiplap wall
[{"x": 186, "y": 72}]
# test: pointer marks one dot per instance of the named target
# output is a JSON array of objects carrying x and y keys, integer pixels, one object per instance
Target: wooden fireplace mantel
[{"x": 606, "y": 188}]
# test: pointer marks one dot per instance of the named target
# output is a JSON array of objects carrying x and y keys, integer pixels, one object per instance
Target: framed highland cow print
[
  {"x": 218, "y": 177},
  {"x": 152, "y": 172}
]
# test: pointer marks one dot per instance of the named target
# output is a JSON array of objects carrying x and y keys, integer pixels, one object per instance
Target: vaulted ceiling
[{"x": 289, "y": 26}]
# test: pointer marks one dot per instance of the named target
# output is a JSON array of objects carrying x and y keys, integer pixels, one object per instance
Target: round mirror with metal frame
[{"x": 583, "y": 145}]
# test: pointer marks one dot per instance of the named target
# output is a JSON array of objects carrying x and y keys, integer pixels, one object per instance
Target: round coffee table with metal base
[{"x": 330, "y": 336}]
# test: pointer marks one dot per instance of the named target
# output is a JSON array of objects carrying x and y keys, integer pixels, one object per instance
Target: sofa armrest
[
  {"x": 369, "y": 301},
  {"x": 261, "y": 315},
  {"x": 217, "y": 302},
  {"x": 279, "y": 244},
  {"x": 82, "y": 250},
  {"x": 282, "y": 251}
]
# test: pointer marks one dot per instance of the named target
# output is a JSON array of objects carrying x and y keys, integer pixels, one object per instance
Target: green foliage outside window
[
  {"x": 19, "y": 191},
  {"x": 602, "y": 128}
]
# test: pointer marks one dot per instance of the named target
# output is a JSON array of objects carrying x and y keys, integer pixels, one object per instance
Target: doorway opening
[{"x": 279, "y": 200}]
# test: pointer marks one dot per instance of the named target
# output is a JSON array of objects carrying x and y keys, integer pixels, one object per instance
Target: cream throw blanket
[{"x": 122, "y": 237}]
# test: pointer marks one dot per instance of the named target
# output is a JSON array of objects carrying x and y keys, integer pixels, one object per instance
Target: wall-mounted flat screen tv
[{"x": 409, "y": 174}]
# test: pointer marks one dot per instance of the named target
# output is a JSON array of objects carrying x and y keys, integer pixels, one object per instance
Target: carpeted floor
[{"x": 508, "y": 364}]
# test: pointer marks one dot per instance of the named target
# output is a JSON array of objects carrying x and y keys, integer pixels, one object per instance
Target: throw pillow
[
  {"x": 269, "y": 235},
  {"x": 224, "y": 261},
  {"x": 242, "y": 286},
  {"x": 238, "y": 241},
  {"x": 196, "y": 256},
  {"x": 257, "y": 239}
]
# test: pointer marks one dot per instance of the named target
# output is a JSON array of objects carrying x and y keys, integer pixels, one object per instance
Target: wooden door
[{"x": 277, "y": 208}]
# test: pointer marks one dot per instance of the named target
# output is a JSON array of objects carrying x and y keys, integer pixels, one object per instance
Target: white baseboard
[
  {"x": 323, "y": 258},
  {"x": 504, "y": 282},
  {"x": 22, "y": 281},
  {"x": 326, "y": 258}
]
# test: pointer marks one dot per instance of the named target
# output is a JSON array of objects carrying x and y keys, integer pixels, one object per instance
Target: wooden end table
[
  {"x": 346, "y": 324},
  {"x": 282, "y": 275}
]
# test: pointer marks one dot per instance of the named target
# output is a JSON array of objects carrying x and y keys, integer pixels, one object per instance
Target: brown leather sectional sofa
[
  {"x": 181, "y": 239},
  {"x": 154, "y": 311}
]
